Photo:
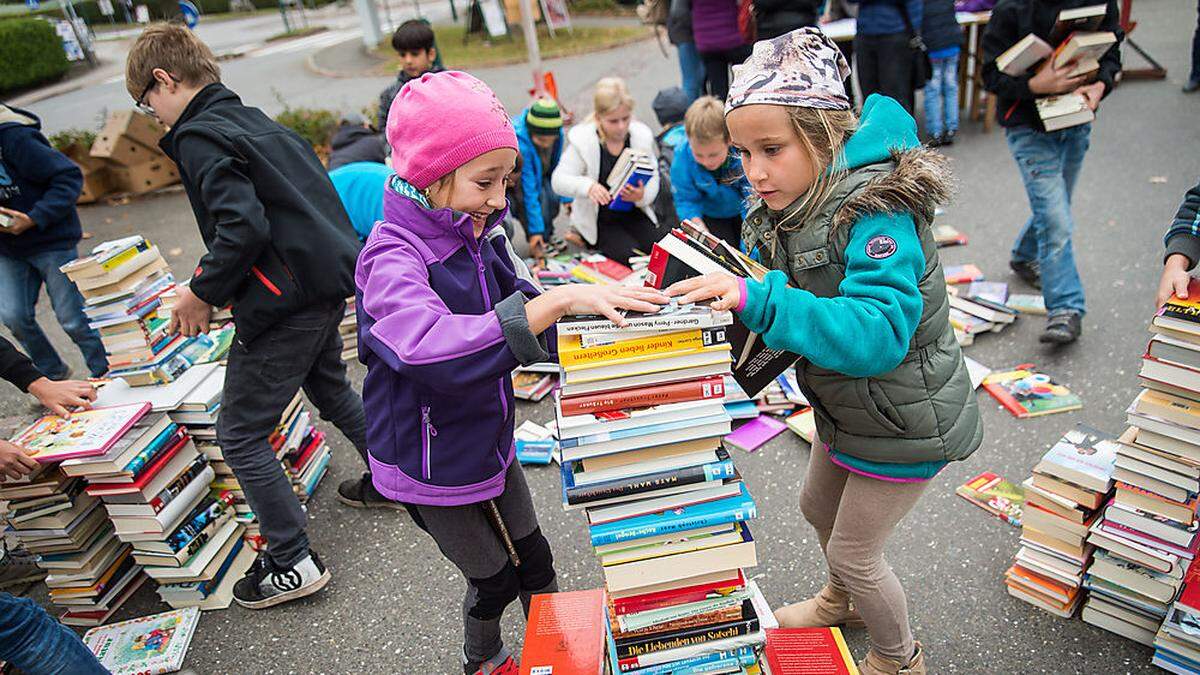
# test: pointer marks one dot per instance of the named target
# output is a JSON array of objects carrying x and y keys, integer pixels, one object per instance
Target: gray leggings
[
  {"x": 854, "y": 515},
  {"x": 466, "y": 537}
]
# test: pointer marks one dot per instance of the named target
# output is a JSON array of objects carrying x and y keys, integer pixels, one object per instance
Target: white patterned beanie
[{"x": 803, "y": 68}]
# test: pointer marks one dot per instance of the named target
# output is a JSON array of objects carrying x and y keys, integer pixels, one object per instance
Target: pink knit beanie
[{"x": 441, "y": 121}]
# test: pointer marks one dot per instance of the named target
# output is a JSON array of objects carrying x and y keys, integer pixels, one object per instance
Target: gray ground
[{"x": 393, "y": 604}]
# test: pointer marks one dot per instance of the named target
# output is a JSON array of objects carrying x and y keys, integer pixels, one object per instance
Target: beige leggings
[{"x": 854, "y": 515}]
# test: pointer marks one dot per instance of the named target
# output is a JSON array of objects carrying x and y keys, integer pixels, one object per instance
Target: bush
[
  {"x": 31, "y": 53},
  {"x": 314, "y": 126},
  {"x": 73, "y": 142}
]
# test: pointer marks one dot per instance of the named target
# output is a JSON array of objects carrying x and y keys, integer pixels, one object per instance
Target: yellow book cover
[
  {"x": 719, "y": 354},
  {"x": 571, "y": 351}
]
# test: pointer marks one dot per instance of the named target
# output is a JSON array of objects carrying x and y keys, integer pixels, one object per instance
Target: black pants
[
  {"x": 618, "y": 239},
  {"x": 1195, "y": 76},
  {"x": 729, "y": 229},
  {"x": 885, "y": 66},
  {"x": 716, "y": 68},
  {"x": 303, "y": 350}
]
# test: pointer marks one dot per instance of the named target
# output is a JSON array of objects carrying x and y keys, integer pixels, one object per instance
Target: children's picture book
[
  {"x": 1025, "y": 392},
  {"x": 86, "y": 433},
  {"x": 566, "y": 634},
  {"x": 803, "y": 424},
  {"x": 962, "y": 274},
  {"x": 1027, "y": 303},
  {"x": 149, "y": 644},
  {"x": 808, "y": 651},
  {"x": 757, "y": 432},
  {"x": 995, "y": 495}
]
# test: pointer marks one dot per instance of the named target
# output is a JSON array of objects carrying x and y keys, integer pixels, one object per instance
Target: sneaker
[
  {"x": 935, "y": 141},
  {"x": 500, "y": 664},
  {"x": 1062, "y": 329},
  {"x": 361, "y": 494},
  {"x": 1191, "y": 86},
  {"x": 948, "y": 137},
  {"x": 265, "y": 585},
  {"x": 1027, "y": 271},
  {"x": 17, "y": 569}
]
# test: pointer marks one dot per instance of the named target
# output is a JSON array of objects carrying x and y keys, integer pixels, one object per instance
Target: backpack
[{"x": 654, "y": 12}]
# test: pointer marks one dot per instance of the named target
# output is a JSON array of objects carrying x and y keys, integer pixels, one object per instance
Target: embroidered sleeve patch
[{"x": 881, "y": 246}]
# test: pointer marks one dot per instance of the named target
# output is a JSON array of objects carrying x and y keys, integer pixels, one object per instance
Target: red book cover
[
  {"x": 609, "y": 268},
  {"x": 657, "y": 267},
  {"x": 676, "y": 596},
  {"x": 640, "y": 397},
  {"x": 808, "y": 651},
  {"x": 1190, "y": 596},
  {"x": 98, "y": 489},
  {"x": 307, "y": 453},
  {"x": 565, "y": 634}
]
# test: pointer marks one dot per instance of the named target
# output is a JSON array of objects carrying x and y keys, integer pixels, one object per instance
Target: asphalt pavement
[{"x": 394, "y": 604}]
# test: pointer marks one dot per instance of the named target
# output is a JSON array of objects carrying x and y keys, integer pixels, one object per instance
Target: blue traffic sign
[{"x": 191, "y": 13}]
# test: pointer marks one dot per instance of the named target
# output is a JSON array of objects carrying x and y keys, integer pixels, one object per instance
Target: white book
[
  {"x": 645, "y": 441},
  {"x": 584, "y": 425}
]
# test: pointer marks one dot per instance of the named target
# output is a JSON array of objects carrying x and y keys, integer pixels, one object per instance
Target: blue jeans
[
  {"x": 33, "y": 641},
  {"x": 941, "y": 97},
  {"x": 692, "y": 70},
  {"x": 21, "y": 281},
  {"x": 1049, "y": 165}
]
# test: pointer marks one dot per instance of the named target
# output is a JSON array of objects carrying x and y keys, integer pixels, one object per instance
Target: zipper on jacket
[
  {"x": 428, "y": 433},
  {"x": 265, "y": 281},
  {"x": 473, "y": 248}
]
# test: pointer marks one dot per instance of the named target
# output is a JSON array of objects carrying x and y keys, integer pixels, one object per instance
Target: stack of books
[
  {"x": 640, "y": 419},
  {"x": 633, "y": 167},
  {"x": 1062, "y": 501},
  {"x": 1177, "y": 645},
  {"x": 979, "y": 307},
  {"x": 301, "y": 447},
  {"x": 348, "y": 329}
]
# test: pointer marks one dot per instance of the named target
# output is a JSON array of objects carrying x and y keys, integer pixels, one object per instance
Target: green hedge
[{"x": 31, "y": 53}]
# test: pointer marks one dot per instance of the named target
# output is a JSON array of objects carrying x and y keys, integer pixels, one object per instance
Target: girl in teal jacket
[{"x": 857, "y": 290}]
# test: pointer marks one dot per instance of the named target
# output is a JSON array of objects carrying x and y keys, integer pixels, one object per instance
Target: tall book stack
[
  {"x": 640, "y": 418},
  {"x": 91, "y": 571},
  {"x": 1062, "y": 501},
  {"x": 301, "y": 448}
]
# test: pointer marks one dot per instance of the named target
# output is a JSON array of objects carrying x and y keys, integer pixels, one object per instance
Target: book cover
[
  {"x": 1084, "y": 456},
  {"x": 1025, "y": 392},
  {"x": 572, "y": 352},
  {"x": 86, "y": 433},
  {"x": 757, "y": 432},
  {"x": 995, "y": 495},
  {"x": 565, "y": 633},
  {"x": 962, "y": 274},
  {"x": 808, "y": 651},
  {"x": 700, "y": 515},
  {"x": 637, "y": 397},
  {"x": 634, "y": 485},
  {"x": 670, "y": 317},
  {"x": 149, "y": 644}
]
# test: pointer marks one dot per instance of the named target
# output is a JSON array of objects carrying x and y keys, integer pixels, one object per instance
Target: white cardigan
[{"x": 579, "y": 168}]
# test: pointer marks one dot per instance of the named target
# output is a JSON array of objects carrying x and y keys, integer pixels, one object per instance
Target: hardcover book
[
  {"x": 565, "y": 633},
  {"x": 86, "y": 433},
  {"x": 808, "y": 651},
  {"x": 149, "y": 644},
  {"x": 1025, "y": 392}
]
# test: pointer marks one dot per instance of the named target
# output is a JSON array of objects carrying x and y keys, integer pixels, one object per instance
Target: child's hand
[
  {"x": 1092, "y": 93},
  {"x": 62, "y": 397},
  {"x": 724, "y": 287},
  {"x": 633, "y": 193},
  {"x": 599, "y": 194},
  {"x": 15, "y": 461},
  {"x": 606, "y": 300},
  {"x": 1174, "y": 280},
  {"x": 1051, "y": 80},
  {"x": 573, "y": 237}
]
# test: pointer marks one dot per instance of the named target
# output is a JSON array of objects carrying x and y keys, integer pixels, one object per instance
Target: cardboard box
[
  {"x": 97, "y": 182},
  {"x": 128, "y": 138},
  {"x": 137, "y": 126},
  {"x": 123, "y": 150},
  {"x": 145, "y": 177}
]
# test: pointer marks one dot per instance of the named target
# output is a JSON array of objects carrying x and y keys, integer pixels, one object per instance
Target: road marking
[{"x": 313, "y": 42}]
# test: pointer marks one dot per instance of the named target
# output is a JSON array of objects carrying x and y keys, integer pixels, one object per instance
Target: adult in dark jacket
[
  {"x": 1183, "y": 248},
  {"x": 281, "y": 250},
  {"x": 355, "y": 141},
  {"x": 1049, "y": 162},
  {"x": 714, "y": 25},
  {"x": 773, "y": 18},
  {"x": 882, "y": 45},
  {"x": 679, "y": 32},
  {"x": 38, "y": 190},
  {"x": 943, "y": 38}
]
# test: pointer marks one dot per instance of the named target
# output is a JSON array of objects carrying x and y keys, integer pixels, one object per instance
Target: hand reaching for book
[
  {"x": 1174, "y": 280},
  {"x": 1050, "y": 80},
  {"x": 15, "y": 461},
  {"x": 599, "y": 194},
  {"x": 190, "y": 316},
  {"x": 544, "y": 310},
  {"x": 724, "y": 287},
  {"x": 63, "y": 397}
]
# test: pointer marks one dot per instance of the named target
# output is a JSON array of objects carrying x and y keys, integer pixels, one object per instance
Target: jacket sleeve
[
  {"x": 385, "y": 105},
  {"x": 242, "y": 231},
  {"x": 1001, "y": 33},
  {"x": 39, "y": 163},
  {"x": 16, "y": 367},
  {"x": 416, "y": 335},
  {"x": 570, "y": 176},
  {"x": 915, "y": 9},
  {"x": 1183, "y": 236},
  {"x": 687, "y": 198},
  {"x": 866, "y": 329},
  {"x": 531, "y": 189},
  {"x": 1110, "y": 63}
]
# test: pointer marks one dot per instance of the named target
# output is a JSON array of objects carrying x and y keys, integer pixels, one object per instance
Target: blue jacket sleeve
[
  {"x": 688, "y": 200},
  {"x": 531, "y": 189},
  {"x": 41, "y": 164},
  {"x": 866, "y": 329},
  {"x": 916, "y": 13}
]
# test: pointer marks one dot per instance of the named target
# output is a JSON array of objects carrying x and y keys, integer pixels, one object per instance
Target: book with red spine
[
  {"x": 101, "y": 489},
  {"x": 641, "y": 397},
  {"x": 307, "y": 453},
  {"x": 607, "y": 266},
  {"x": 676, "y": 596},
  {"x": 1189, "y": 597}
]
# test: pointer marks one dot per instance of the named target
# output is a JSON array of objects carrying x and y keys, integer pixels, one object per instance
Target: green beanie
[{"x": 544, "y": 117}]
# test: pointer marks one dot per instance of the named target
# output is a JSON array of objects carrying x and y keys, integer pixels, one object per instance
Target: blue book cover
[
  {"x": 709, "y": 472},
  {"x": 715, "y": 662},
  {"x": 719, "y": 512},
  {"x": 151, "y": 451},
  {"x": 641, "y": 431},
  {"x": 640, "y": 175}
]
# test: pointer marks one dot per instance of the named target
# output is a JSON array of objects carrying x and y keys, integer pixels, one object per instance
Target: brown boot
[
  {"x": 875, "y": 664},
  {"x": 829, "y": 608}
]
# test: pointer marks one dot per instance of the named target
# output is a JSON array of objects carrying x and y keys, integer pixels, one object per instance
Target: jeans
[
  {"x": 21, "y": 281},
  {"x": 1195, "y": 76},
  {"x": 302, "y": 350},
  {"x": 941, "y": 97},
  {"x": 692, "y": 70},
  {"x": 885, "y": 66},
  {"x": 34, "y": 642},
  {"x": 1049, "y": 165},
  {"x": 716, "y": 68}
]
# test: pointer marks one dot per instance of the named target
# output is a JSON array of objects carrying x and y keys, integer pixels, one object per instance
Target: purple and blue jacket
[{"x": 441, "y": 325}]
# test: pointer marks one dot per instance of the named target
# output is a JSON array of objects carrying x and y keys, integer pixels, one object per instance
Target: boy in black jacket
[
  {"x": 1049, "y": 162},
  {"x": 416, "y": 44},
  {"x": 1183, "y": 248},
  {"x": 281, "y": 250}
]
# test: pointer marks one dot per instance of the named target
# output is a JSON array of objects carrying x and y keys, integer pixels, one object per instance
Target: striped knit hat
[{"x": 544, "y": 117}]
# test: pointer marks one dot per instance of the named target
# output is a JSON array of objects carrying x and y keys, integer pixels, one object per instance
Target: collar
[
  {"x": 207, "y": 97},
  {"x": 443, "y": 230}
]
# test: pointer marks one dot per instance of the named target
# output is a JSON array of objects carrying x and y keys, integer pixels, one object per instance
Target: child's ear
[{"x": 433, "y": 53}]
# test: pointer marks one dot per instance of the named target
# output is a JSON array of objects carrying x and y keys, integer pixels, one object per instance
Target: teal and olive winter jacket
[{"x": 858, "y": 292}]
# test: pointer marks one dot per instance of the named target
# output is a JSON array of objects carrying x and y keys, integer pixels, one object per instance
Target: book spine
[
  {"x": 635, "y": 648},
  {"x": 679, "y": 392},
  {"x": 207, "y": 511},
  {"x": 664, "y": 323},
  {"x": 713, "y": 471},
  {"x": 172, "y": 491},
  {"x": 1004, "y": 398},
  {"x": 189, "y": 549},
  {"x": 745, "y": 510}
]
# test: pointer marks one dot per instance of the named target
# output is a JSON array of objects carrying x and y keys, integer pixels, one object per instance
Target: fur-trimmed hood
[{"x": 919, "y": 182}]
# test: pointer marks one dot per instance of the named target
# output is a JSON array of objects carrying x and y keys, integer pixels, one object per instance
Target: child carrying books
[
  {"x": 706, "y": 179},
  {"x": 591, "y": 154},
  {"x": 857, "y": 290},
  {"x": 445, "y": 314}
]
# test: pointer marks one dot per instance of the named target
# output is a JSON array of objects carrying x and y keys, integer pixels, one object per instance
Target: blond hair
[
  {"x": 175, "y": 49},
  {"x": 823, "y": 134},
  {"x": 610, "y": 94},
  {"x": 704, "y": 120}
]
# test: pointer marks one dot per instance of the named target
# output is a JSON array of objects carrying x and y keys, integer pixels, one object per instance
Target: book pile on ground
[
  {"x": 995, "y": 495},
  {"x": 948, "y": 235},
  {"x": 301, "y": 447},
  {"x": 1063, "y": 498},
  {"x": 562, "y": 268},
  {"x": 348, "y": 329},
  {"x": 807, "y": 651},
  {"x": 535, "y": 381},
  {"x": 640, "y": 419},
  {"x": 145, "y": 645},
  {"x": 978, "y": 306},
  {"x": 1025, "y": 392}
]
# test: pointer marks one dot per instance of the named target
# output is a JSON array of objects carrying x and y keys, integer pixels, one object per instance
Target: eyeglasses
[{"x": 141, "y": 100}]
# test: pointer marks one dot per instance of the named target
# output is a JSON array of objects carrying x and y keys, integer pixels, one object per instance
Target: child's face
[
  {"x": 417, "y": 63},
  {"x": 773, "y": 156},
  {"x": 477, "y": 188},
  {"x": 615, "y": 123},
  {"x": 168, "y": 97},
  {"x": 543, "y": 141},
  {"x": 710, "y": 154}
]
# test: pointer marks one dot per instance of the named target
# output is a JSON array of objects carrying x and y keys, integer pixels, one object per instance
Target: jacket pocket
[{"x": 878, "y": 406}]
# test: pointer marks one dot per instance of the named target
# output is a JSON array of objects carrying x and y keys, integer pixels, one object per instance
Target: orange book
[
  {"x": 808, "y": 651},
  {"x": 565, "y": 634},
  {"x": 1043, "y": 585}
]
